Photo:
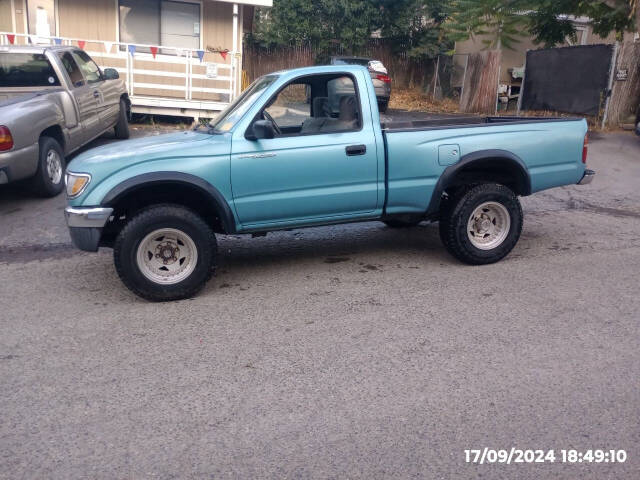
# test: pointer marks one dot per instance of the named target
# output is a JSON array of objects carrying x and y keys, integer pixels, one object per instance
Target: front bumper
[
  {"x": 85, "y": 226},
  {"x": 587, "y": 178}
]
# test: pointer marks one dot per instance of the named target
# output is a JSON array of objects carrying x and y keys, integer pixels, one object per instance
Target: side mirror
[
  {"x": 111, "y": 74},
  {"x": 263, "y": 129}
]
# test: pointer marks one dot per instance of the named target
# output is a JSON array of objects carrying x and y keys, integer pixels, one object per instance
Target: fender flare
[
  {"x": 476, "y": 157},
  {"x": 218, "y": 201}
]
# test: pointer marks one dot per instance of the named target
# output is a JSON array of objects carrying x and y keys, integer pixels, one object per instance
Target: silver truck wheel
[
  {"x": 54, "y": 166},
  {"x": 488, "y": 226},
  {"x": 481, "y": 224},
  {"x": 167, "y": 256}
]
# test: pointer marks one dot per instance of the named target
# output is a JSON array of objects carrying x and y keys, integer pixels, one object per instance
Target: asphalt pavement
[{"x": 352, "y": 351}]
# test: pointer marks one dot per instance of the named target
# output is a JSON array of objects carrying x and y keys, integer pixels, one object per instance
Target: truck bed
[
  {"x": 467, "y": 121},
  {"x": 419, "y": 152}
]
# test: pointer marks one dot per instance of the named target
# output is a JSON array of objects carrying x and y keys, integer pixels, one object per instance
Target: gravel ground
[{"x": 337, "y": 352}]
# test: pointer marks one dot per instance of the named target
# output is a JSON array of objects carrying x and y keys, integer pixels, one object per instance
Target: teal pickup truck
[{"x": 286, "y": 155}]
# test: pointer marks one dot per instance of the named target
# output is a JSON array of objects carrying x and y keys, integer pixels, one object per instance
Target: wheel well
[
  {"x": 135, "y": 199},
  {"x": 492, "y": 170},
  {"x": 54, "y": 132}
]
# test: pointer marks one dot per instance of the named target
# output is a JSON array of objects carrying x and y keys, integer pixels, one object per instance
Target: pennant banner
[
  {"x": 132, "y": 50},
  {"x": 81, "y": 44},
  {"x": 224, "y": 54},
  {"x": 154, "y": 51},
  {"x": 57, "y": 41},
  {"x": 108, "y": 46},
  {"x": 179, "y": 52},
  {"x": 200, "y": 55},
  {"x": 11, "y": 38}
]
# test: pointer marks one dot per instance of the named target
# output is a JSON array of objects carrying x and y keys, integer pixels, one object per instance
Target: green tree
[
  {"x": 550, "y": 21},
  {"x": 500, "y": 23},
  {"x": 415, "y": 26},
  {"x": 320, "y": 22}
]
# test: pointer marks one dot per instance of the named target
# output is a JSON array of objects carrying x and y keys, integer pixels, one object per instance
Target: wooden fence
[
  {"x": 625, "y": 96},
  {"x": 479, "y": 92},
  {"x": 405, "y": 71}
]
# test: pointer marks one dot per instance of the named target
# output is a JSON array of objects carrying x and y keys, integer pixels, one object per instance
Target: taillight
[
  {"x": 585, "y": 149},
  {"x": 6, "y": 140},
  {"x": 384, "y": 78}
]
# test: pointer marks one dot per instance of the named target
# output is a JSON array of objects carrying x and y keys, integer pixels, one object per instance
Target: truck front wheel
[
  {"x": 482, "y": 224},
  {"x": 165, "y": 252}
]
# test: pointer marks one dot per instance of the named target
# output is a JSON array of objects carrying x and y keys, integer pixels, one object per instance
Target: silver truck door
[
  {"x": 85, "y": 98},
  {"x": 107, "y": 92}
]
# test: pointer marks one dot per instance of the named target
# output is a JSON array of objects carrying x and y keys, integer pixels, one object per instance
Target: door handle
[{"x": 354, "y": 150}]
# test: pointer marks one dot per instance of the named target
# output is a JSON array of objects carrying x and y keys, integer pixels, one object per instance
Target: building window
[
  {"x": 168, "y": 23},
  {"x": 41, "y": 17}
]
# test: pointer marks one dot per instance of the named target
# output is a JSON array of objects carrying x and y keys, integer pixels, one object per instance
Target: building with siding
[{"x": 179, "y": 57}]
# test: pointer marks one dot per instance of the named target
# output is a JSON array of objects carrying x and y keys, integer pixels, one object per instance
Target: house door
[{"x": 180, "y": 24}]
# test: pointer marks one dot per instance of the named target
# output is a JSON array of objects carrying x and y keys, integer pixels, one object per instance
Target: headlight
[{"x": 76, "y": 183}]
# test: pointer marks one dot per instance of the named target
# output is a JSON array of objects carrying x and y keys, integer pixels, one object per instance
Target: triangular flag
[
  {"x": 57, "y": 41},
  {"x": 132, "y": 50},
  {"x": 179, "y": 52},
  {"x": 108, "y": 46},
  {"x": 154, "y": 51},
  {"x": 82, "y": 43},
  {"x": 11, "y": 38},
  {"x": 224, "y": 54},
  {"x": 200, "y": 55},
  {"x": 33, "y": 39}
]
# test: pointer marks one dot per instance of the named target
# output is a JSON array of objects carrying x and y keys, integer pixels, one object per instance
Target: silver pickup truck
[{"x": 53, "y": 100}]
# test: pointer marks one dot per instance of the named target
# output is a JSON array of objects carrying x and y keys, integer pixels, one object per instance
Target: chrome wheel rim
[
  {"x": 488, "y": 226},
  {"x": 54, "y": 167},
  {"x": 167, "y": 256}
]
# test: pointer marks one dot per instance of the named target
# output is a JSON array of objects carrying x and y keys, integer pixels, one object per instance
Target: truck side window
[
  {"x": 291, "y": 108},
  {"x": 71, "y": 67},
  {"x": 88, "y": 67},
  {"x": 314, "y": 106}
]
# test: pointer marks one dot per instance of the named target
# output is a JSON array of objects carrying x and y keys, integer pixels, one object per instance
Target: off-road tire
[
  {"x": 122, "y": 127},
  {"x": 154, "y": 218},
  {"x": 41, "y": 183},
  {"x": 456, "y": 212}
]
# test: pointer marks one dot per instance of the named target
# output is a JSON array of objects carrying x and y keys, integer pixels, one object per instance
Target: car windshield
[{"x": 234, "y": 112}]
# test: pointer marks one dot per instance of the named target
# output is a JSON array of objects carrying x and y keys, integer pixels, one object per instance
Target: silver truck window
[
  {"x": 71, "y": 67},
  {"x": 87, "y": 66},
  {"x": 26, "y": 70}
]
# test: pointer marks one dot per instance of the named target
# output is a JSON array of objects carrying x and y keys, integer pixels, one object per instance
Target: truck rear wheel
[
  {"x": 122, "y": 127},
  {"x": 49, "y": 178},
  {"x": 482, "y": 224},
  {"x": 165, "y": 252}
]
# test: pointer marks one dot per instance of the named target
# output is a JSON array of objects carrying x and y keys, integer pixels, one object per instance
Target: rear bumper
[
  {"x": 85, "y": 226},
  {"x": 19, "y": 164},
  {"x": 587, "y": 178}
]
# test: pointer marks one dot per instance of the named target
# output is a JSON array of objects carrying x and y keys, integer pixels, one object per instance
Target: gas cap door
[{"x": 448, "y": 154}]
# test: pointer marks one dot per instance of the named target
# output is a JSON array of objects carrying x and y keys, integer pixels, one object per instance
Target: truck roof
[
  {"x": 321, "y": 69},
  {"x": 34, "y": 48}
]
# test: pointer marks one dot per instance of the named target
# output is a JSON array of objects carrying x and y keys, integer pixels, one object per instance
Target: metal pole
[
  {"x": 435, "y": 79},
  {"x": 464, "y": 78},
  {"x": 524, "y": 77},
  {"x": 234, "y": 60},
  {"x": 612, "y": 72}
]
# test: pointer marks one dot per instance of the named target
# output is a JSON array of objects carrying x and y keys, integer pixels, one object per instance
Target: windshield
[{"x": 234, "y": 112}]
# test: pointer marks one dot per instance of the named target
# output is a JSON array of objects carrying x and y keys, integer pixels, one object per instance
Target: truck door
[
  {"x": 106, "y": 93},
  {"x": 85, "y": 99},
  {"x": 322, "y": 163}
]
